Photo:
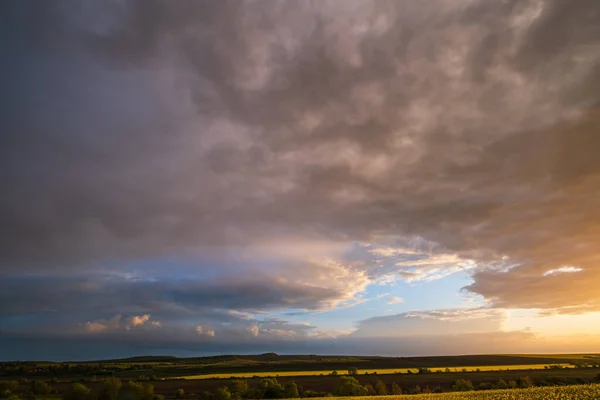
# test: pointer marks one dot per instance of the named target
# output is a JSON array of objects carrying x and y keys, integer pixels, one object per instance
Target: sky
[{"x": 338, "y": 177}]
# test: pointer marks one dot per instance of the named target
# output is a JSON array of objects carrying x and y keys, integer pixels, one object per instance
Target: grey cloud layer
[{"x": 154, "y": 128}]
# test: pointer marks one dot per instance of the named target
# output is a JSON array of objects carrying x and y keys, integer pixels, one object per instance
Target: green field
[
  {"x": 578, "y": 392},
  {"x": 380, "y": 371}
]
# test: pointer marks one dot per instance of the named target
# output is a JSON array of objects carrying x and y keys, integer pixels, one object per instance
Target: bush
[
  {"x": 41, "y": 387},
  {"x": 525, "y": 382},
  {"x": 349, "y": 386},
  {"x": 179, "y": 393},
  {"x": 501, "y": 384},
  {"x": 109, "y": 389},
  {"x": 136, "y": 391},
  {"x": 370, "y": 390},
  {"x": 462, "y": 385},
  {"x": 396, "y": 389},
  {"x": 238, "y": 387},
  {"x": 271, "y": 388},
  {"x": 291, "y": 390},
  {"x": 353, "y": 371},
  {"x": 78, "y": 392},
  {"x": 380, "y": 388},
  {"x": 222, "y": 394}
]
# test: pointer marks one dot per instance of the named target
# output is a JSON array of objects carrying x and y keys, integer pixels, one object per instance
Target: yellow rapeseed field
[
  {"x": 385, "y": 371},
  {"x": 578, "y": 392}
]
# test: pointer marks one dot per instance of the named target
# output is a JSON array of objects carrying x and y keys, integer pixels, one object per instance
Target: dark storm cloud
[
  {"x": 143, "y": 129},
  {"x": 97, "y": 295}
]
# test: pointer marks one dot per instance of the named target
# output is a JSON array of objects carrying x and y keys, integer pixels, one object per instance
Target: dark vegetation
[
  {"x": 164, "y": 366},
  {"x": 144, "y": 378}
]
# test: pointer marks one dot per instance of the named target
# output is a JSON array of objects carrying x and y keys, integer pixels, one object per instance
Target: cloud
[
  {"x": 395, "y": 300},
  {"x": 427, "y": 138},
  {"x": 116, "y": 323},
  {"x": 428, "y": 323},
  {"x": 562, "y": 270},
  {"x": 134, "y": 321},
  {"x": 204, "y": 332},
  {"x": 103, "y": 325}
]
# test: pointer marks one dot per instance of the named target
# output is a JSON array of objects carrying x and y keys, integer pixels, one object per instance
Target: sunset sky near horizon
[{"x": 403, "y": 177}]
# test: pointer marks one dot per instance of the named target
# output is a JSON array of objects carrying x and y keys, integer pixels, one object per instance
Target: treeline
[
  {"x": 266, "y": 388},
  {"x": 64, "y": 369},
  {"x": 107, "y": 389}
]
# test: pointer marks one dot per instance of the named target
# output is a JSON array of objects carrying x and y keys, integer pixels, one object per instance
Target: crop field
[
  {"x": 577, "y": 392},
  {"x": 380, "y": 371}
]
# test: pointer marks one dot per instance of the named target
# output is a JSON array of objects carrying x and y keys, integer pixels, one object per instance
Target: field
[
  {"x": 381, "y": 371},
  {"x": 578, "y": 392},
  {"x": 199, "y": 378}
]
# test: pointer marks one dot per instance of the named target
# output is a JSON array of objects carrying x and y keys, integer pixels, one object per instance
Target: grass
[
  {"x": 382, "y": 371},
  {"x": 576, "y": 392}
]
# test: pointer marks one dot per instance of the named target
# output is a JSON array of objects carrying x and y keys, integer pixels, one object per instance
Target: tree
[
  {"x": 131, "y": 391},
  {"x": 334, "y": 373},
  {"x": 349, "y": 386},
  {"x": 380, "y": 388},
  {"x": 238, "y": 387},
  {"x": 291, "y": 390},
  {"x": 271, "y": 388},
  {"x": 396, "y": 389},
  {"x": 352, "y": 371},
  {"x": 222, "y": 394},
  {"x": 179, "y": 393},
  {"x": 78, "y": 392},
  {"x": 41, "y": 387},
  {"x": 525, "y": 381},
  {"x": 462, "y": 385},
  {"x": 501, "y": 384},
  {"x": 109, "y": 389}
]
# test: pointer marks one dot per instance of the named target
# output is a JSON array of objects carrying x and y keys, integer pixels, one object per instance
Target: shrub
[
  {"x": 271, "y": 388},
  {"x": 349, "y": 386},
  {"x": 41, "y": 387},
  {"x": 291, "y": 390},
  {"x": 380, "y": 388},
  {"x": 109, "y": 389},
  {"x": 78, "y": 392},
  {"x": 525, "y": 382},
  {"x": 179, "y": 393},
  {"x": 222, "y": 394},
  {"x": 134, "y": 391},
  {"x": 370, "y": 390},
  {"x": 501, "y": 384},
  {"x": 396, "y": 389},
  {"x": 238, "y": 387},
  {"x": 462, "y": 385}
]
